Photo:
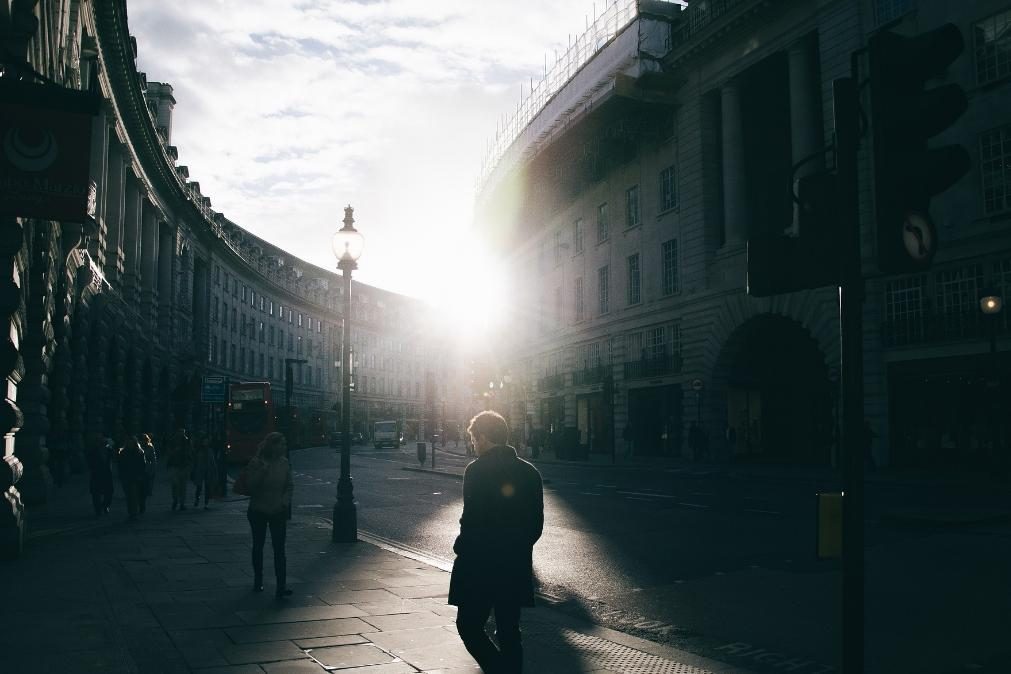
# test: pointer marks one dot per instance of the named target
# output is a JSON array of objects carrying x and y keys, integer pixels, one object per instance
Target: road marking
[
  {"x": 313, "y": 505},
  {"x": 697, "y": 506},
  {"x": 400, "y": 478},
  {"x": 588, "y": 493},
  {"x": 646, "y": 493}
]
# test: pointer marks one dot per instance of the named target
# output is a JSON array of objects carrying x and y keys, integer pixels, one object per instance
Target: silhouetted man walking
[{"x": 503, "y": 515}]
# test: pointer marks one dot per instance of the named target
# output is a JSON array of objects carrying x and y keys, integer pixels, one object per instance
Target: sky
[{"x": 286, "y": 111}]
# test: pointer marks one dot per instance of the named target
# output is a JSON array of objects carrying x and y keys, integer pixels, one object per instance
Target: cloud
[{"x": 288, "y": 111}]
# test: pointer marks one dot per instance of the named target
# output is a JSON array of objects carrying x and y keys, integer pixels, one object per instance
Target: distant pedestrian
[
  {"x": 503, "y": 515},
  {"x": 150, "y": 467},
  {"x": 180, "y": 463},
  {"x": 130, "y": 465},
  {"x": 205, "y": 470},
  {"x": 270, "y": 487},
  {"x": 628, "y": 436},
  {"x": 99, "y": 454}
]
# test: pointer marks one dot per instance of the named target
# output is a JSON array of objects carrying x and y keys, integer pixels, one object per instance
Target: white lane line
[
  {"x": 645, "y": 493},
  {"x": 588, "y": 493},
  {"x": 697, "y": 506}
]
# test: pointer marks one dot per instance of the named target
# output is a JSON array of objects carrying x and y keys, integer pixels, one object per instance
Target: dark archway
[{"x": 779, "y": 397}]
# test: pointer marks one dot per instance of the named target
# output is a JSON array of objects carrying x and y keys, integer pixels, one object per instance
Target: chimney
[{"x": 161, "y": 95}]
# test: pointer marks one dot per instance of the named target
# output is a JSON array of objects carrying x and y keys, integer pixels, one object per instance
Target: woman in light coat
[{"x": 270, "y": 488}]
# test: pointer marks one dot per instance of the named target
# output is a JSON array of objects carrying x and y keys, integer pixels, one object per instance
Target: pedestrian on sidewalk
[
  {"x": 100, "y": 466},
  {"x": 180, "y": 463},
  {"x": 270, "y": 488},
  {"x": 131, "y": 468},
  {"x": 150, "y": 467},
  {"x": 503, "y": 515},
  {"x": 205, "y": 470}
]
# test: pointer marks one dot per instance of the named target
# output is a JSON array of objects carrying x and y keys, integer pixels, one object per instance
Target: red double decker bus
[{"x": 248, "y": 420}]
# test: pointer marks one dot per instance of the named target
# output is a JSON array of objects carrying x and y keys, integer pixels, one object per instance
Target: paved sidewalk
[{"x": 172, "y": 593}]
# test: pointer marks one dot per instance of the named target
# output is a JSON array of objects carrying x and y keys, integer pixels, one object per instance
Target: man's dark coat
[{"x": 503, "y": 515}]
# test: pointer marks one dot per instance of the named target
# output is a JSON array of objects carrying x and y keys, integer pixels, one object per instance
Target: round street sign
[
  {"x": 697, "y": 385},
  {"x": 919, "y": 237}
]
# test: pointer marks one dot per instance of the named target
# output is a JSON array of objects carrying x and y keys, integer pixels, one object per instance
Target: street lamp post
[
  {"x": 347, "y": 247},
  {"x": 990, "y": 303}
]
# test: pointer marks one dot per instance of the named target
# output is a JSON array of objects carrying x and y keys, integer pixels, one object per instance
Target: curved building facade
[{"x": 114, "y": 321}]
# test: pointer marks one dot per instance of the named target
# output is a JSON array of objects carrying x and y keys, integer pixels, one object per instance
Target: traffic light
[
  {"x": 783, "y": 263},
  {"x": 904, "y": 115}
]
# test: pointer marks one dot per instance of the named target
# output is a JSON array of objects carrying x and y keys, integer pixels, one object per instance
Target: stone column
[
  {"x": 735, "y": 192},
  {"x": 11, "y": 468},
  {"x": 166, "y": 298},
  {"x": 805, "y": 114},
  {"x": 98, "y": 168},
  {"x": 149, "y": 264},
  {"x": 115, "y": 205},
  {"x": 131, "y": 239}
]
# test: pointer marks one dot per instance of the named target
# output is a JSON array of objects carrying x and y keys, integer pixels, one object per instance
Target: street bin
[{"x": 421, "y": 453}]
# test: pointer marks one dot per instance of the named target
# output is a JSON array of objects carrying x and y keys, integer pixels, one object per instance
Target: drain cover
[{"x": 604, "y": 654}]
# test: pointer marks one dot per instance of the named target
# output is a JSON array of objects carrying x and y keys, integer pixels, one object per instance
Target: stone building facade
[
  {"x": 114, "y": 322},
  {"x": 627, "y": 187}
]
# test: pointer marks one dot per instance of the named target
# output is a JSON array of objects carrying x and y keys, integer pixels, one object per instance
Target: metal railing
[
  {"x": 590, "y": 375},
  {"x": 614, "y": 18},
  {"x": 699, "y": 16},
  {"x": 929, "y": 328},
  {"x": 551, "y": 382},
  {"x": 653, "y": 367}
]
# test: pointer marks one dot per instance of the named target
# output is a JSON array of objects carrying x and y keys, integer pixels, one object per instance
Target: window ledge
[{"x": 672, "y": 209}]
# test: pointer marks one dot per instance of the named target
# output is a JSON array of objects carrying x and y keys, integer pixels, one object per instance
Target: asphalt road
[{"x": 718, "y": 565}]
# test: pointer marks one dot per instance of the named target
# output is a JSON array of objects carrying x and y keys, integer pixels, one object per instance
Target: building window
[
  {"x": 603, "y": 292},
  {"x": 300, "y": 320},
  {"x": 603, "y": 223},
  {"x": 558, "y": 247},
  {"x": 263, "y": 334},
  {"x": 634, "y": 280},
  {"x": 577, "y": 236},
  {"x": 632, "y": 206},
  {"x": 280, "y": 312},
  {"x": 668, "y": 191},
  {"x": 235, "y": 288},
  {"x": 956, "y": 297},
  {"x": 263, "y": 372},
  {"x": 995, "y": 168},
  {"x": 904, "y": 310},
  {"x": 992, "y": 44},
  {"x": 217, "y": 275},
  {"x": 232, "y": 358},
  {"x": 270, "y": 367},
  {"x": 580, "y": 303},
  {"x": 261, "y": 303},
  {"x": 271, "y": 307},
  {"x": 235, "y": 319},
  {"x": 669, "y": 263},
  {"x": 271, "y": 342},
  {"x": 887, "y": 10},
  {"x": 222, "y": 353},
  {"x": 214, "y": 314},
  {"x": 291, "y": 342}
]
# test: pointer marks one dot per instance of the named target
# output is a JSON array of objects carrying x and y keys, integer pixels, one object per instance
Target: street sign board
[
  {"x": 212, "y": 389},
  {"x": 697, "y": 385}
]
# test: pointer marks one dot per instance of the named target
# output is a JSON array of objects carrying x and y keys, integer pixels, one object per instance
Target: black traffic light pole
[{"x": 851, "y": 298}]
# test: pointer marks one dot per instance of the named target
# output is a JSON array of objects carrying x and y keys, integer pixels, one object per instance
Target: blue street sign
[{"x": 212, "y": 390}]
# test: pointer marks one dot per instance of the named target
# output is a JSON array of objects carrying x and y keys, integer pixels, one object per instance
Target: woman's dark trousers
[
  {"x": 278, "y": 524},
  {"x": 470, "y": 621}
]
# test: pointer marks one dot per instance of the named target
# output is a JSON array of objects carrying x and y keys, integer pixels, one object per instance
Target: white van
[{"x": 385, "y": 434}]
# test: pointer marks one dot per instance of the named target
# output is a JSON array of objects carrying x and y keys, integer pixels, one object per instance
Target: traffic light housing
[
  {"x": 904, "y": 115},
  {"x": 784, "y": 263}
]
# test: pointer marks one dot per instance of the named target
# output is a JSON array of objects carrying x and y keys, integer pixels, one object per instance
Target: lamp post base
[{"x": 345, "y": 522}]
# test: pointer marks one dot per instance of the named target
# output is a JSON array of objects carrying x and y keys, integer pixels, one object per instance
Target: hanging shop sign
[{"x": 45, "y": 151}]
